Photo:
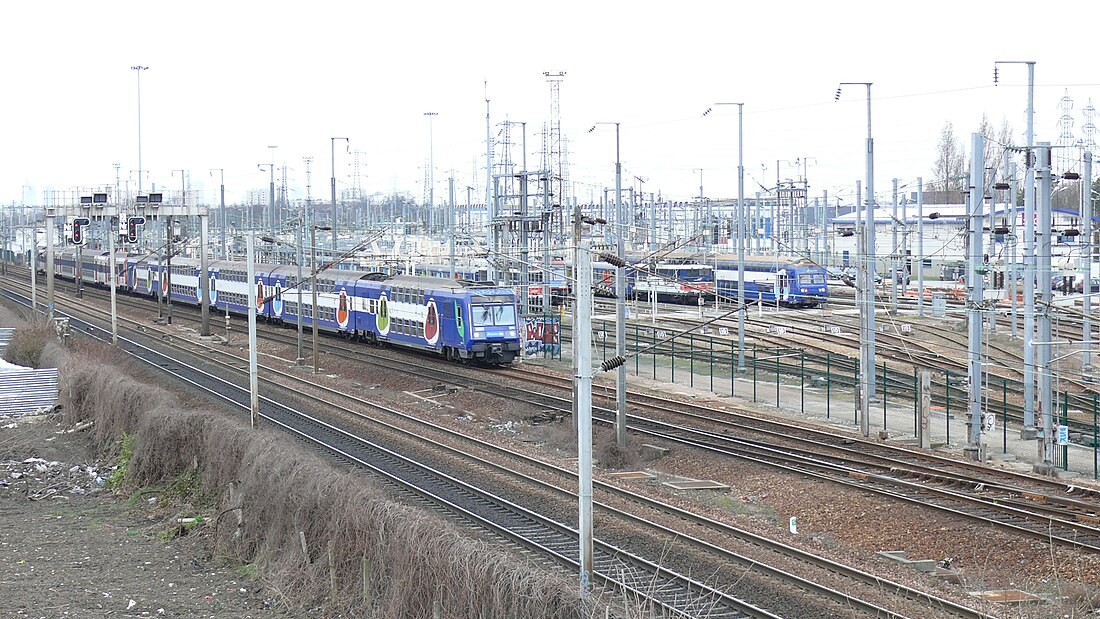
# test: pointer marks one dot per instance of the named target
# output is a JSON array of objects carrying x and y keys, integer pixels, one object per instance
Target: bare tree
[{"x": 949, "y": 170}]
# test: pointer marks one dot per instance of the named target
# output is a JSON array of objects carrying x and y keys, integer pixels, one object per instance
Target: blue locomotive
[{"x": 459, "y": 320}]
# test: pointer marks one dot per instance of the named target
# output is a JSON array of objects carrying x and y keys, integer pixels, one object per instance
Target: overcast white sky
[{"x": 227, "y": 79}]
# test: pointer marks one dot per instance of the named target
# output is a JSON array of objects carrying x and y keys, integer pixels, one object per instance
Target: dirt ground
[{"x": 70, "y": 547}]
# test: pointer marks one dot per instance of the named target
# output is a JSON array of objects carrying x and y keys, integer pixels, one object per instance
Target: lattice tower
[
  {"x": 556, "y": 163},
  {"x": 357, "y": 178},
  {"x": 309, "y": 181},
  {"x": 1065, "y": 132},
  {"x": 1089, "y": 128}
]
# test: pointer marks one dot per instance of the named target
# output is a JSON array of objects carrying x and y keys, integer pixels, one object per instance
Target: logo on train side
[
  {"x": 342, "y": 313},
  {"x": 382, "y": 319},
  {"x": 277, "y": 300},
  {"x": 164, "y": 283},
  {"x": 431, "y": 324}
]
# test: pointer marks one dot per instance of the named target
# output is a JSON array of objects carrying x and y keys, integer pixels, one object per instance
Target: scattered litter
[
  {"x": 794, "y": 525},
  {"x": 131, "y": 604}
]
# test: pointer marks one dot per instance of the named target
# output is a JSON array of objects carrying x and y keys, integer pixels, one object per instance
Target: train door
[{"x": 783, "y": 286}]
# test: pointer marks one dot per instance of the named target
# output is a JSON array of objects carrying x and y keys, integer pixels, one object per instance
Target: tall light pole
[
  {"x": 620, "y": 294},
  {"x": 139, "y": 69},
  {"x": 335, "y": 217},
  {"x": 741, "y": 233},
  {"x": 224, "y": 219},
  {"x": 1028, "y": 430},
  {"x": 867, "y": 304},
  {"x": 274, "y": 221},
  {"x": 431, "y": 160}
]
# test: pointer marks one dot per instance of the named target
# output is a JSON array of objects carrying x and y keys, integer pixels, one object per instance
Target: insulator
[
  {"x": 612, "y": 259},
  {"x": 612, "y": 363}
]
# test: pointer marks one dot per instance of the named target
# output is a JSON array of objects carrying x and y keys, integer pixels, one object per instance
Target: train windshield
[
  {"x": 489, "y": 315},
  {"x": 811, "y": 278}
]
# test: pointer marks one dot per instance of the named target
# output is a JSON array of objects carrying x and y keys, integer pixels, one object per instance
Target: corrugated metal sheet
[
  {"x": 27, "y": 391},
  {"x": 5, "y": 337}
]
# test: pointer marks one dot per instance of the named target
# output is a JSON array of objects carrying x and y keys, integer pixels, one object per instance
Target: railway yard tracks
[{"x": 1027, "y": 506}]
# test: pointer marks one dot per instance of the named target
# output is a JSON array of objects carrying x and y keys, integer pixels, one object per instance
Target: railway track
[
  {"x": 278, "y": 413},
  {"x": 1034, "y": 510}
]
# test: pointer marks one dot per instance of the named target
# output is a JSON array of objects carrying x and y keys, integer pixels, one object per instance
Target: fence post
[
  {"x": 802, "y": 370},
  {"x": 777, "y": 360},
  {"x": 857, "y": 390},
  {"x": 712, "y": 365},
  {"x": 691, "y": 360},
  {"x": 637, "y": 361},
  {"x": 947, "y": 402},
  {"x": 916, "y": 401},
  {"x": 883, "y": 395},
  {"x": 753, "y": 372},
  {"x": 673, "y": 358},
  {"x": 733, "y": 368},
  {"x": 828, "y": 386},
  {"x": 1004, "y": 414},
  {"x": 1095, "y": 460},
  {"x": 654, "y": 343}
]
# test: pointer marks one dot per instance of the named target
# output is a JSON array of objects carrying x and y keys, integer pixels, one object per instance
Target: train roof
[
  {"x": 440, "y": 283},
  {"x": 758, "y": 259}
]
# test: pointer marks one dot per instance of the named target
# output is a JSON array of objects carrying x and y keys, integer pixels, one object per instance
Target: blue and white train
[
  {"x": 771, "y": 279},
  {"x": 459, "y": 320}
]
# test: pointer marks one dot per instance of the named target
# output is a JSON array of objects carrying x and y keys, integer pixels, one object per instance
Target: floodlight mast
[{"x": 867, "y": 274}]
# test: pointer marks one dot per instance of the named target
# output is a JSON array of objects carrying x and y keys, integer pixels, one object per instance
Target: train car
[
  {"x": 672, "y": 282},
  {"x": 771, "y": 279},
  {"x": 459, "y": 320}
]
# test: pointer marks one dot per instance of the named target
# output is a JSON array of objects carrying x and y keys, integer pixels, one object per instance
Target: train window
[{"x": 488, "y": 315}]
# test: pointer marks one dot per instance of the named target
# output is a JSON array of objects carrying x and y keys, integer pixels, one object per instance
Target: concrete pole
[
  {"x": 112, "y": 232},
  {"x": 524, "y": 248},
  {"x": 1028, "y": 429},
  {"x": 577, "y": 230},
  {"x": 168, "y": 267},
  {"x": 273, "y": 222},
  {"x": 582, "y": 377},
  {"x": 975, "y": 283},
  {"x": 1086, "y": 234},
  {"x": 313, "y": 293},
  {"x": 620, "y": 301},
  {"x": 225, "y": 219},
  {"x": 204, "y": 277},
  {"x": 252, "y": 370},
  {"x": 920, "y": 246},
  {"x": 740, "y": 238},
  {"x": 1010, "y": 206},
  {"x": 866, "y": 368},
  {"x": 300, "y": 360},
  {"x": 49, "y": 262},
  {"x": 894, "y": 253},
  {"x": 1044, "y": 352},
  {"x": 33, "y": 264},
  {"x": 453, "y": 225},
  {"x": 871, "y": 249}
]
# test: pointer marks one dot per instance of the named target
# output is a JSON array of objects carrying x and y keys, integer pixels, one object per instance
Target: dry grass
[
  {"x": 27, "y": 344},
  {"x": 387, "y": 559}
]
